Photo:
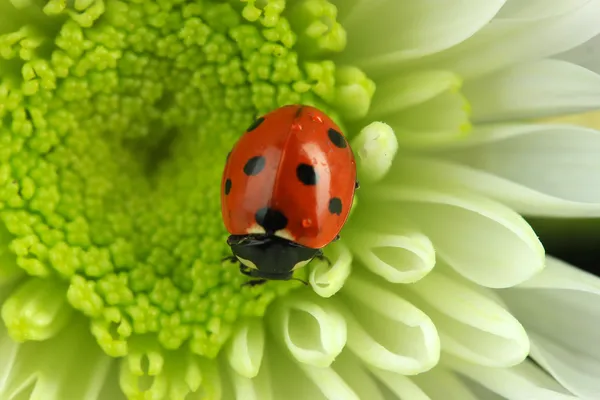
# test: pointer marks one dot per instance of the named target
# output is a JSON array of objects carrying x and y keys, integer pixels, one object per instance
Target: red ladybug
[{"x": 286, "y": 191}]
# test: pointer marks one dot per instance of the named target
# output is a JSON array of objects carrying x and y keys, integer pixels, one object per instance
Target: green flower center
[{"x": 115, "y": 120}]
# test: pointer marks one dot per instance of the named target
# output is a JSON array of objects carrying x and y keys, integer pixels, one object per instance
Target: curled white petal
[
  {"x": 456, "y": 220},
  {"x": 328, "y": 280},
  {"x": 375, "y": 146},
  {"x": 311, "y": 329},
  {"x": 470, "y": 324},
  {"x": 400, "y": 258},
  {"x": 245, "y": 348},
  {"x": 386, "y": 331}
]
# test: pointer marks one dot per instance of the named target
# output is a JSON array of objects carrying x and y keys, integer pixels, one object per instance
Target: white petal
[
  {"x": 288, "y": 381},
  {"x": 522, "y": 382},
  {"x": 534, "y": 90},
  {"x": 522, "y": 190},
  {"x": 328, "y": 280},
  {"x": 415, "y": 127},
  {"x": 351, "y": 369},
  {"x": 483, "y": 240},
  {"x": 400, "y": 385},
  {"x": 298, "y": 381},
  {"x": 441, "y": 383},
  {"x": 245, "y": 348},
  {"x": 386, "y": 331},
  {"x": 311, "y": 329},
  {"x": 504, "y": 42},
  {"x": 537, "y": 9},
  {"x": 32, "y": 368},
  {"x": 257, "y": 388},
  {"x": 401, "y": 91},
  {"x": 470, "y": 324},
  {"x": 331, "y": 384},
  {"x": 560, "y": 308},
  {"x": 399, "y": 258},
  {"x": 560, "y": 161},
  {"x": 212, "y": 381},
  {"x": 411, "y": 29},
  {"x": 587, "y": 55},
  {"x": 9, "y": 350}
]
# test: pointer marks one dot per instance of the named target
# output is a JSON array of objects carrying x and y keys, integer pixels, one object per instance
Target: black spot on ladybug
[
  {"x": 255, "y": 124},
  {"x": 335, "y": 205},
  {"x": 306, "y": 174},
  {"x": 270, "y": 219},
  {"x": 336, "y": 138},
  {"x": 227, "y": 186},
  {"x": 254, "y": 165}
]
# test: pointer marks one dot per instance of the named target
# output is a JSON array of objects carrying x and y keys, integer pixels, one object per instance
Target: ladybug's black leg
[
  {"x": 245, "y": 270},
  {"x": 231, "y": 258},
  {"x": 356, "y": 185},
  {"x": 321, "y": 257},
  {"x": 300, "y": 280},
  {"x": 255, "y": 282},
  {"x": 335, "y": 239}
]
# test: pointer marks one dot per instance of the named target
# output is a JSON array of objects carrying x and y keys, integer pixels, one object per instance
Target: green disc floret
[{"x": 115, "y": 120}]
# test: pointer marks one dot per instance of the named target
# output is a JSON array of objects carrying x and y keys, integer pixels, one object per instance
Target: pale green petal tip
[
  {"x": 36, "y": 310},
  {"x": 245, "y": 350},
  {"x": 376, "y": 146},
  {"x": 325, "y": 279}
]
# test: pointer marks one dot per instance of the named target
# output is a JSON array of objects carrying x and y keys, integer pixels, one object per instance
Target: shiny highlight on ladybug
[{"x": 286, "y": 191}]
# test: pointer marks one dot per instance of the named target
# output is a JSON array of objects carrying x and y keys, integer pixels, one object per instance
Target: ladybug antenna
[{"x": 300, "y": 280}]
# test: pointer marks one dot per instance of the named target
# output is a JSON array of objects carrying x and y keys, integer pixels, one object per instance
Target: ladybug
[{"x": 286, "y": 191}]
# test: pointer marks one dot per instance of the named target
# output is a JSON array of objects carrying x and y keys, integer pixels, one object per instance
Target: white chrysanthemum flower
[{"x": 115, "y": 119}]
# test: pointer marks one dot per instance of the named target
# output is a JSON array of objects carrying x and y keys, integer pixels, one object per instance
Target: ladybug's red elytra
[{"x": 286, "y": 191}]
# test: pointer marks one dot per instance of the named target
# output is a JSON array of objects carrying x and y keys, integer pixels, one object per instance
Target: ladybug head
[{"x": 268, "y": 256}]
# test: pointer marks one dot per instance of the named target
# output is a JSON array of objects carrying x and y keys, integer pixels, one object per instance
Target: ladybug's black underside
[{"x": 274, "y": 257}]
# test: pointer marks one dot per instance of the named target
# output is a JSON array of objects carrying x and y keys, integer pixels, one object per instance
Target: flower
[{"x": 115, "y": 121}]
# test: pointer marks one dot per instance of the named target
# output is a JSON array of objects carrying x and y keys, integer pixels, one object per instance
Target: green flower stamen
[{"x": 115, "y": 119}]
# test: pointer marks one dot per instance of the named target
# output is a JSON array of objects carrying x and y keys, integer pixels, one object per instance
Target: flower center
[{"x": 116, "y": 118}]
